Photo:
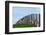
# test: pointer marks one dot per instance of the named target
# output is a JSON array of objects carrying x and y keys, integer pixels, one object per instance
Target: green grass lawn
[{"x": 22, "y": 25}]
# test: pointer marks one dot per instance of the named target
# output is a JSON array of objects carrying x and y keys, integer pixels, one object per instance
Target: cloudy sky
[{"x": 20, "y": 12}]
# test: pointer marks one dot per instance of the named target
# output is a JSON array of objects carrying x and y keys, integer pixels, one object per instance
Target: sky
[{"x": 20, "y": 12}]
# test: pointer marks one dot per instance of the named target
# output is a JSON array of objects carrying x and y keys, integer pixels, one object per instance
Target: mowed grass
[{"x": 22, "y": 25}]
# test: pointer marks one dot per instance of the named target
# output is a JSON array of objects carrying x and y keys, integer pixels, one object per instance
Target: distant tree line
[{"x": 31, "y": 19}]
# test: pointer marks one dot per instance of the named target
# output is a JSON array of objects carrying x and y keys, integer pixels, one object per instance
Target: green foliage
[{"x": 22, "y": 25}]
